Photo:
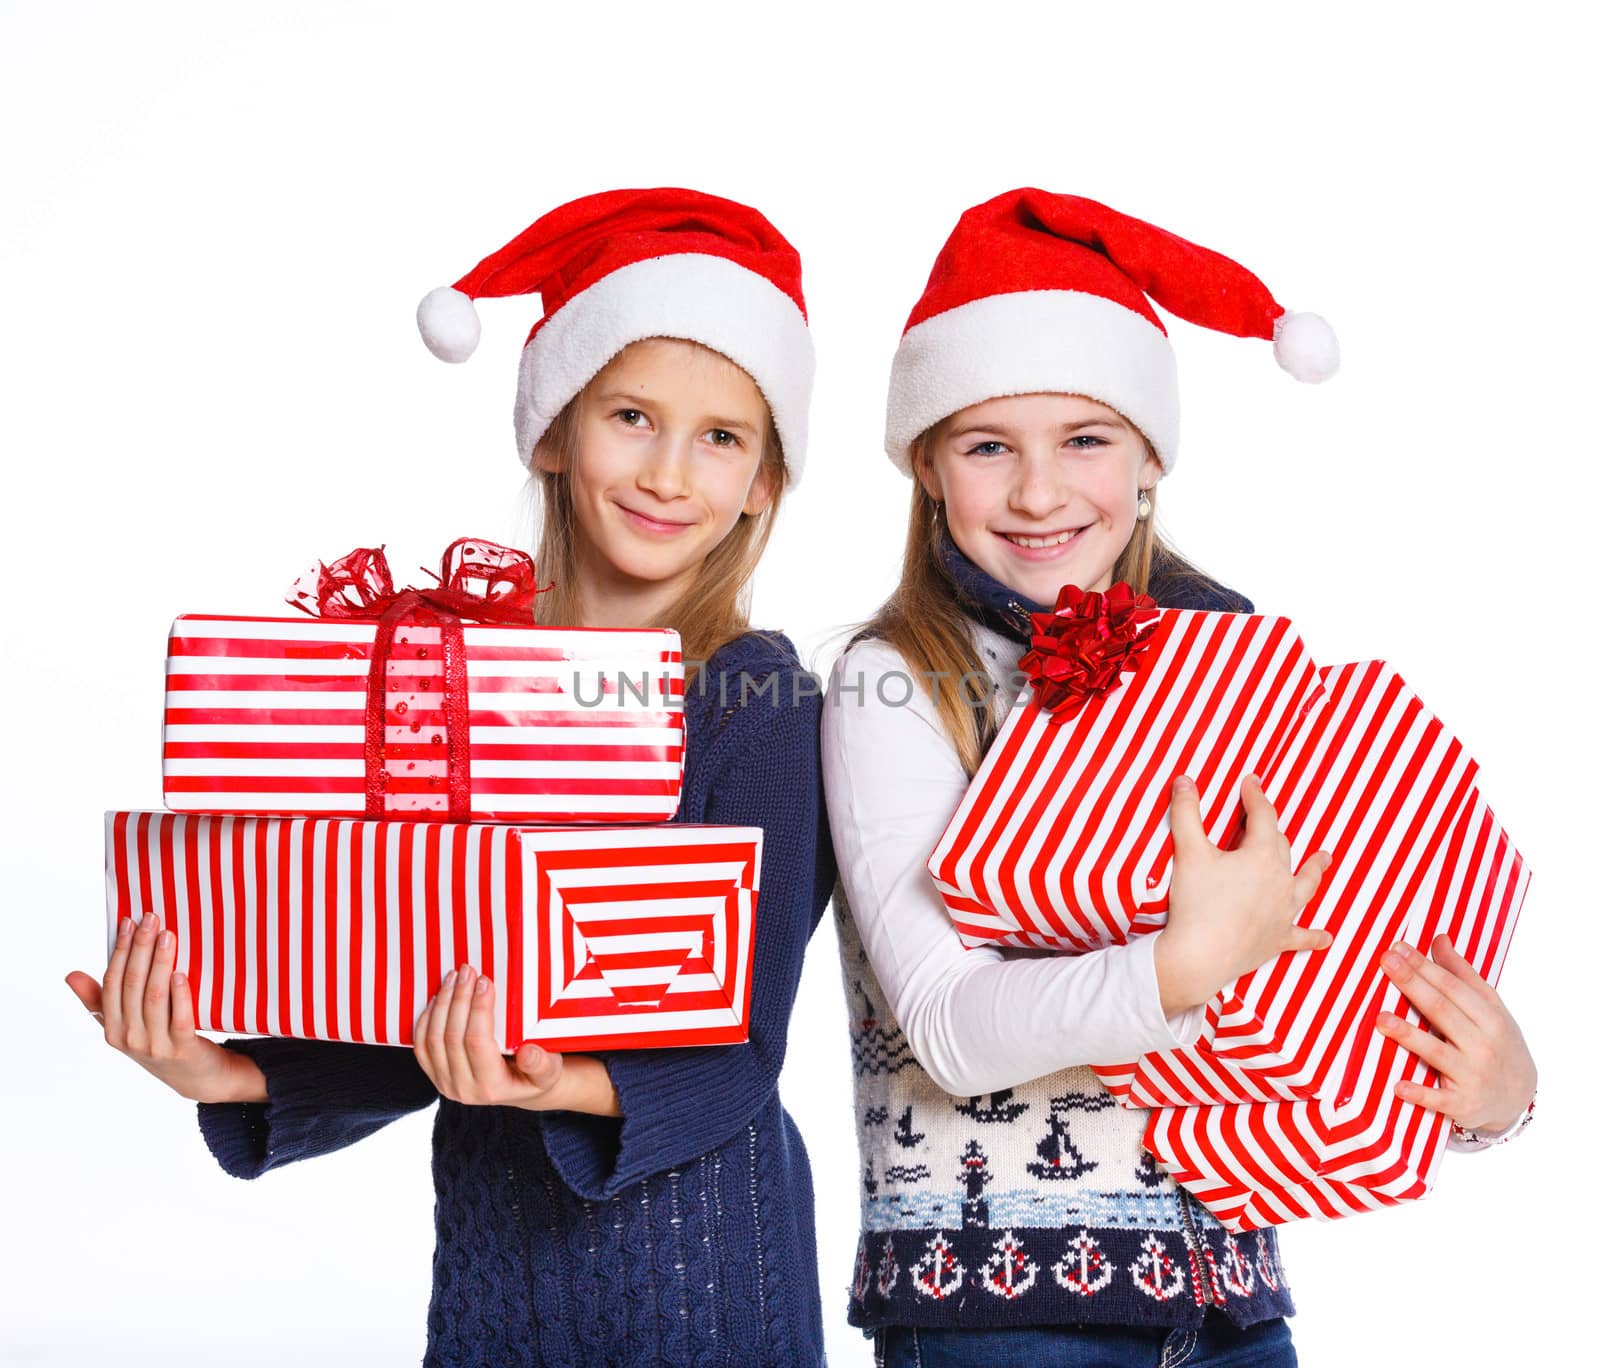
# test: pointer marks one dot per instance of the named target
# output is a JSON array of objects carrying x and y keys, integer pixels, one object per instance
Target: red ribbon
[
  {"x": 477, "y": 580},
  {"x": 1084, "y": 647}
]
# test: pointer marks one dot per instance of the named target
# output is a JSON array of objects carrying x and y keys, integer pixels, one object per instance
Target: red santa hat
[
  {"x": 1037, "y": 293},
  {"x": 625, "y": 265}
]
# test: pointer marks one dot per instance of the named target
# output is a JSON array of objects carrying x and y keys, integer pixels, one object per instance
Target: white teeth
[{"x": 1039, "y": 543}]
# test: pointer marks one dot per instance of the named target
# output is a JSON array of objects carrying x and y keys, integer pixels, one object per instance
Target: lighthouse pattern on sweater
[{"x": 1031, "y": 1205}]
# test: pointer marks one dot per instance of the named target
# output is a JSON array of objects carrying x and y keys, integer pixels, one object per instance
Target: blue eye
[
  {"x": 987, "y": 449},
  {"x": 1085, "y": 441}
]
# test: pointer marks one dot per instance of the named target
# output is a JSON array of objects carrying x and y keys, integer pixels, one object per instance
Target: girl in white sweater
[{"x": 1008, "y": 1208}]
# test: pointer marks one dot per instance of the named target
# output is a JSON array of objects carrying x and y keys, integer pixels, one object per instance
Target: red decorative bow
[
  {"x": 1084, "y": 647},
  {"x": 478, "y": 580}
]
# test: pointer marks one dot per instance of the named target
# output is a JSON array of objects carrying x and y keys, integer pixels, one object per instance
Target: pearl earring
[{"x": 1146, "y": 508}]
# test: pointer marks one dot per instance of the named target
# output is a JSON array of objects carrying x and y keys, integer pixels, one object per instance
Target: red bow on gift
[
  {"x": 1084, "y": 647},
  {"x": 479, "y": 581}
]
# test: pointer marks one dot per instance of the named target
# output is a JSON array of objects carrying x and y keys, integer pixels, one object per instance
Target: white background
[{"x": 217, "y": 223}]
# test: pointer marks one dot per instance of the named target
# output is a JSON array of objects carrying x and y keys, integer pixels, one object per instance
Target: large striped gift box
[
  {"x": 282, "y": 716},
  {"x": 1061, "y": 841},
  {"x": 1358, "y": 1147},
  {"x": 1371, "y": 776},
  {"x": 333, "y": 929},
  {"x": 1473, "y": 872}
]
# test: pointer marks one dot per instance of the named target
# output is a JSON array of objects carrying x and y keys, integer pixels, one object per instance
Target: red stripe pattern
[
  {"x": 1371, "y": 776},
  {"x": 267, "y": 716},
  {"x": 1358, "y": 1147},
  {"x": 1285, "y": 1107},
  {"x": 1061, "y": 842},
  {"x": 335, "y": 929}
]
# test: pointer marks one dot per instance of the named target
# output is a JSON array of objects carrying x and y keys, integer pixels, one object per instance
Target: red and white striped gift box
[
  {"x": 270, "y": 716},
  {"x": 1359, "y": 1147},
  {"x": 1061, "y": 841},
  {"x": 1370, "y": 775},
  {"x": 1240, "y": 1208},
  {"x": 333, "y": 929}
]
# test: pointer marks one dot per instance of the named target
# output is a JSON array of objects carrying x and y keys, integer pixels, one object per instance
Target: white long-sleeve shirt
[{"x": 978, "y": 1019}]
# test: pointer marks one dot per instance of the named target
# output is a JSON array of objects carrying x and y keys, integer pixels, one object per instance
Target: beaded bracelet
[{"x": 1516, "y": 1128}]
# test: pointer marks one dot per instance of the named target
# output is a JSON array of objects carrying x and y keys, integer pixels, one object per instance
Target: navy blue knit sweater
[{"x": 681, "y": 1234}]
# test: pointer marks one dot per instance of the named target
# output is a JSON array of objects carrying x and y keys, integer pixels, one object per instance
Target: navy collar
[{"x": 982, "y": 596}]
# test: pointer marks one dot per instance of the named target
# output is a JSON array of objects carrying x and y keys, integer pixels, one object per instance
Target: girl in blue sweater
[
  {"x": 639, "y": 1207},
  {"x": 1008, "y": 1212}
]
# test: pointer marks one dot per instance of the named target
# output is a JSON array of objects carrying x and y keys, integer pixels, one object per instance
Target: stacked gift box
[
  {"x": 1285, "y": 1106},
  {"x": 395, "y": 783}
]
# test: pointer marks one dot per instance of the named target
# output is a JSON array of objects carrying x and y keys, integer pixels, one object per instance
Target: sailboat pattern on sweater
[{"x": 1032, "y": 1205}]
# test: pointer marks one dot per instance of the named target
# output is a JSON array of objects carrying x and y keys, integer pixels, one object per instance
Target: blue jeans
[{"x": 1218, "y": 1343}]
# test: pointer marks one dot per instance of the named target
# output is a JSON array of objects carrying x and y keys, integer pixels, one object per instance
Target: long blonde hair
[
  {"x": 924, "y": 621},
  {"x": 715, "y": 607}
]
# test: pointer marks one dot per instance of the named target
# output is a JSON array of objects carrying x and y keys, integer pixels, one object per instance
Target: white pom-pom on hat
[
  {"x": 448, "y": 322},
  {"x": 1304, "y": 344}
]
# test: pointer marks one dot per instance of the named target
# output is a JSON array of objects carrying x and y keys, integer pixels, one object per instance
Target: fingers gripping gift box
[
  {"x": 334, "y": 929},
  {"x": 1373, "y": 777},
  {"x": 1062, "y": 843},
  {"x": 1359, "y": 1146},
  {"x": 443, "y": 702}
]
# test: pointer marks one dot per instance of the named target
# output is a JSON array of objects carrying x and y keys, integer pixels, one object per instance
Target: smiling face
[
  {"x": 666, "y": 456},
  {"x": 1040, "y": 490}
]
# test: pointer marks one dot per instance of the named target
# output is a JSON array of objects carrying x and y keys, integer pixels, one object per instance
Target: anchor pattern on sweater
[{"x": 1038, "y": 1196}]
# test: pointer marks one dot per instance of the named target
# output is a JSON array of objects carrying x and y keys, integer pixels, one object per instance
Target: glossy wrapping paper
[
  {"x": 342, "y": 929},
  {"x": 313, "y": 717},
  {"x": 1285, "y": 1106},
  {"x": 1356, "y": 1146},
  {"x": 1061, "y": 842}
]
